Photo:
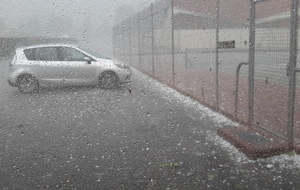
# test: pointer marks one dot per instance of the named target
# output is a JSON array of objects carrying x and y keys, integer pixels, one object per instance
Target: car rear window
[
  {"x": 46, "y": 54},
  {"x": 41, "y": 54},
  {"x": 29, "y": 53}
]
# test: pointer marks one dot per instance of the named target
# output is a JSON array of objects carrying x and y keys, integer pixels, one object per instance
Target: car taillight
[{"x": 13, "y": 60}]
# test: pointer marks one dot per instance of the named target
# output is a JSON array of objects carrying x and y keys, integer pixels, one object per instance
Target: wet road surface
[{"x": 140, "y": 136}]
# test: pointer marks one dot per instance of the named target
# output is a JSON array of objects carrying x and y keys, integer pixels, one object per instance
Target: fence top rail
[{"x": 158, "y": 7}]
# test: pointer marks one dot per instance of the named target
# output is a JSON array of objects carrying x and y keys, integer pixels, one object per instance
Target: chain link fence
[
  {"x": 271, "y": 59},
  {"x": 197, "y": 47}
]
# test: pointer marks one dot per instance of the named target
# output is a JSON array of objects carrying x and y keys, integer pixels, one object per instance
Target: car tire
[
  {"x": 27, "y": 83},
  {"x": 108, "y": 80}
]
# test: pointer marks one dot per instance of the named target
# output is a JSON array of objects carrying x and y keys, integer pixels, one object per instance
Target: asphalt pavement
[{"x": 141, "y": 136}]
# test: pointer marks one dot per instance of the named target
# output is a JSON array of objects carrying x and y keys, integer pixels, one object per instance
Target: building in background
[{"x": 195, "y": 25}]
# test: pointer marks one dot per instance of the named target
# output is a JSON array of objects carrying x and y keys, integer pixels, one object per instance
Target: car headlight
[{"x": 122, "y": 66}]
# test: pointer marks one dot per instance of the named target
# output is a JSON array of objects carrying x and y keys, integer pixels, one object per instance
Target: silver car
[{"x": 42, "y": 65}]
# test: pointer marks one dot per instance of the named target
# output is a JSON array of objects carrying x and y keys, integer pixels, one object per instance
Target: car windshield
[{"x": 190, "y": 95}]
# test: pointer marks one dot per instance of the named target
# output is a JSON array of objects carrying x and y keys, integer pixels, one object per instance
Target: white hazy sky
[
  {"x": 15, "y": 11},
  {"x": 17, "y": 14}
]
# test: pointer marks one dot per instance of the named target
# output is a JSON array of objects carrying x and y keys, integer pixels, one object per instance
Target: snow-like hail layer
[
  {"x": 290, "y": 161},
  {"x": 172, "y": 94}
]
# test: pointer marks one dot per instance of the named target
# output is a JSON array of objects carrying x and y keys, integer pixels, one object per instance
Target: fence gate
[{"x": 272, "y": 83}]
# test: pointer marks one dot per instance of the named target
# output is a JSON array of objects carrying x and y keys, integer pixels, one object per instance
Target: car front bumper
[{"x": 125, "y": 75}]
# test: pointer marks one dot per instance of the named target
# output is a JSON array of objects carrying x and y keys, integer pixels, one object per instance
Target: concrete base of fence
[
  {"x": 297, "y": 149},
  {"x": 252, "y": 143}
]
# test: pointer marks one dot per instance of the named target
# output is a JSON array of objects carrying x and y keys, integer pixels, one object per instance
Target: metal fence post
[
  {"x": 173, "y": 45},
  {"x": 114, "y": 40},
  {"x": 152, "y": 39},
  {"x": 130, "y": 43},
  {"x": 139, "y": 40},
  {"x": 236, "y": 91},
  {"x": 251, "y": 63},
  {"x": 292, "y": 68},
  {"x": 124, "y": 45},
  {"x": 217, "y": 55}
]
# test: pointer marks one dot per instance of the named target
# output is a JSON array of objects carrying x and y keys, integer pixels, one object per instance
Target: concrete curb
[{"x": 252, "y": 143}]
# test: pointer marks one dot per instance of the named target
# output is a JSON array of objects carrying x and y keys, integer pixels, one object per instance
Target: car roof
[{"x": 46, "y": 45}]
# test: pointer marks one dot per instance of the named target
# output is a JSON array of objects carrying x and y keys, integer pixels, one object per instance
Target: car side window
[
  {"x": 70, "y": 54},
  {"x": 46, "y": 54}
]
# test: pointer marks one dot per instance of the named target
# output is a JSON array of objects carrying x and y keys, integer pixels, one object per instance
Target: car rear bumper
[
  {"x": 11, "y": 79},
  {"x": 12, "y": 84}
]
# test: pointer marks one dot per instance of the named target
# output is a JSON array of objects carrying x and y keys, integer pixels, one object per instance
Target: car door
[
  {"x": 77, "y": 70},
  {"x": 46, "y": 65}
]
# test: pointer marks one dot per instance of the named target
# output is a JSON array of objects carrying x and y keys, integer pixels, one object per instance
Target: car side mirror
[{"x": 88, "y": 60}]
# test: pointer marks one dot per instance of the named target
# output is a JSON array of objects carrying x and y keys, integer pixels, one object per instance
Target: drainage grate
[{"x": 252, "y": 137}]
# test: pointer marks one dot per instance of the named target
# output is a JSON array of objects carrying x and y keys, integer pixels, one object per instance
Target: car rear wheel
[
  {"x": 108, "y": 80},
  {"x": 27, "y": 83}
]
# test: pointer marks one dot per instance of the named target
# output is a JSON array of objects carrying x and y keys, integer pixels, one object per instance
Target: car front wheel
[
  {"x": 27, "y": 83},
  {"x": 108, "y": 80}
]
